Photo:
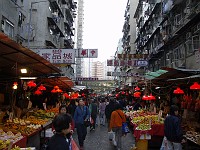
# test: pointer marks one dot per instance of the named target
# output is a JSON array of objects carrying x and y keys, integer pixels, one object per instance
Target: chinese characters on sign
[
  {"x": 140, "y": 63},
  {"x": 58, "y": 56},
  {"x": 132, "y": 56},
  {"x": 87, "y": 53},
  {"x": 86, "y": 79}
]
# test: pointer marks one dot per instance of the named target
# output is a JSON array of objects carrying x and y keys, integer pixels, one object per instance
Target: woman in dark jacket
[{"x": 62, "y": 125}]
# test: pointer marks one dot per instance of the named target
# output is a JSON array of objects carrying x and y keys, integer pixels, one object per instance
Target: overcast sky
[{"x": 103, "y": 23}]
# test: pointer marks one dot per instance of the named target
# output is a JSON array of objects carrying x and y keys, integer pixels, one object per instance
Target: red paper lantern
[
  {"x": 31, "y": 84},
  {"x": 195, "y": 86},
  {"x": 42, "y": 88},
  {"x": 59, "y": 91},
  {"x": 151, "y": 97},
  {"x": 178, "y": 91},
  {"x": 38, "y": 92},
  {"x": 137, "y": 94},
  {"x": 53, "y": 91},
  {"x": 145, "y": 97},
  {"x": 137, "y": 88},
  {"x": 66, "y": 95},
  {"x": 56, "y": 87}
]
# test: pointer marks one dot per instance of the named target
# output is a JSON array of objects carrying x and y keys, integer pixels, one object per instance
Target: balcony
[
  {"x": 68, "y": 42},
  {"x": 55, "y": 6},
  {"x": 51, "y": 40},
  {"x": 54, "y": 27}
]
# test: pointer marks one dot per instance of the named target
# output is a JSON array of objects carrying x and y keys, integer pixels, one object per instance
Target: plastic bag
[{"x": 111, "y": 136}]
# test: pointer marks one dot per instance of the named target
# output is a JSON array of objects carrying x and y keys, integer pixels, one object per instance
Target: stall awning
[
  {"x": 63, "y": 82},
  {"x": 166, "y": 74},
  {"x": 14, "y": 56}
]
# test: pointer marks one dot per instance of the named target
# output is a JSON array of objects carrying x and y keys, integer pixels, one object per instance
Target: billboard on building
[
  {"x": 139, "y": 63},
  {"x": 58, "y": 56}
]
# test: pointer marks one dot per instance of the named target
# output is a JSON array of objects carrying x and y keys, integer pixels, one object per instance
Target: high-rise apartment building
[
  {"x": 97, "y": 70},
  {"x": 40, "y": 24},
  {"x": 80, "y": 21},
  {"x": 128, "y": 39},
  {"x": 169, "y": 31}
]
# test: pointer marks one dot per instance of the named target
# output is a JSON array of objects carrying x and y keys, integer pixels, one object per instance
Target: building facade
[
  {"x": 128, "y": 39},
  {"x": 169, "y": 31},
  {"x": 40, "y": 24}
]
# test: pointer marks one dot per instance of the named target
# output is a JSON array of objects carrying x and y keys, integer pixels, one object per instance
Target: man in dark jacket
[
  {"x": 62, "y": 125},
  {"x": 108, "y": 111},
  {"x": 93, "y": 111},
  {"x": 172, "y": 129}
]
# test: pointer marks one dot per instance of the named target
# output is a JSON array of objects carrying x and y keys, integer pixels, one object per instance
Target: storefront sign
[
  {"x": 58, "y": 56},
  {"x": 86, "y": 79},
  {"x": 123, "y": 74},
  {"x": 132, "y": 56},
  {"x": 113, "y": 62},
  {"x": 86, "y": 53}
]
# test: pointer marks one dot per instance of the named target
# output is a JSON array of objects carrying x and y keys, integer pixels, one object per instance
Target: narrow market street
[{"x": 98, "y": 140}]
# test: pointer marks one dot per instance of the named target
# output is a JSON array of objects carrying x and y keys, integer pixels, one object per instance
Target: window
[
  {"x": 196, "y": 42},
  {"x": 189, "y": 47},
  {"x": 8, "y": 28}
]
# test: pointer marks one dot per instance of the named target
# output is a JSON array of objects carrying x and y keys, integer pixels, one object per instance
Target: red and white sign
[
  {"x": 93, "y": 53},
  {"x": 83, "y": 53},
  {"x": 58, "y": 56}
]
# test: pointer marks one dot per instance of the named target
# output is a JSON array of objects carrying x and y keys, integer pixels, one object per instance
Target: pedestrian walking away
[
  {"x": 102, "y": 108},
  {"x": 117, "y": 118},
  {"x": 93, "y": 111}
]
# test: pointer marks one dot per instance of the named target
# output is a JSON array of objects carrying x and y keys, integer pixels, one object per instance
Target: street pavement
[{"x": 98, "y": 140}]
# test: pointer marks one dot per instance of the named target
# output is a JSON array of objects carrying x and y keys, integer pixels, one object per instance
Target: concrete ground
[{"x": 98, "y": 140}]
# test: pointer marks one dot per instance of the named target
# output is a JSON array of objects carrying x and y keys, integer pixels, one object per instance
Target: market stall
[{"x": 145, "y": 125}]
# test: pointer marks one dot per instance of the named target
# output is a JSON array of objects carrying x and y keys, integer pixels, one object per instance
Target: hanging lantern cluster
[
  {"x": 40, "y": 89},
  {"x": 56, "y": 90},
  {"x": 31, "y": 84},
  {"x": 66, "y": 95},
  {"x": 149, "y": 97},
  {"x": 195, "y": 86},
  {"x": 137, "y": 88},
  {"x": 137, "y": 94},
  {"x": 178, "y": 91}
]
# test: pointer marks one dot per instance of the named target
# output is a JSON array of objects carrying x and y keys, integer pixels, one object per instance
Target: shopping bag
[
  {"x": 125, "y": 128},
  {"x": 164, "y": 144},
  {"x": 114, "y": 139},
  {"x": 110, "y": 135},
  {"x": 74, "y": 145}
]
